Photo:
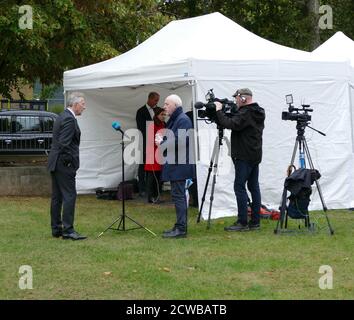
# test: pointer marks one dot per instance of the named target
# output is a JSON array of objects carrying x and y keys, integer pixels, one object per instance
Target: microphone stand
[{"x": 124, "y": 216}]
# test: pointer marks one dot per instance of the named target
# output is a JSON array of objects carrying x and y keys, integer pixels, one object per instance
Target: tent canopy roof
[
  {"x": 169, "y": 53},
  {"x": 338, "y": 46}
]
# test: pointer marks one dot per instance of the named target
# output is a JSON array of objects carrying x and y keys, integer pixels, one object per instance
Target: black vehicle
[{"x": 26, "y": 132}]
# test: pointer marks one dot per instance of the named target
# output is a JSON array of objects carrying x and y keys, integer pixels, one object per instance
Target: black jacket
[
  {"x": 66, "y": 141},
  {"x": 247, "y": 126},
  {"x": 143, "y": 115},
  {"x": 301, "y": 179}
]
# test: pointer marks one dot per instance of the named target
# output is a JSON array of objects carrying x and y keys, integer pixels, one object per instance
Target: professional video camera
[
  {"x": 296, "y": 114},
  {"x": 209, "y": 108}
]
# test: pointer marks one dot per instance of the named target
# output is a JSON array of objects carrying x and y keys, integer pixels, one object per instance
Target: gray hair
[
  {"x": 175, "y": 99},
  {"x": 74, "y": 97}
]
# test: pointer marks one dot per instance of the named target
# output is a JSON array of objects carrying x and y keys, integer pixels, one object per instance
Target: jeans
[
  {"x": 247, "y": 172},
  {"x": 178, "y": 194}
]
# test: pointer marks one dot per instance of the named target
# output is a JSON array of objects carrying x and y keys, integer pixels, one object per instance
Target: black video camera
[
  {"x": 296, "y": 114},
  {"x": 208, "y": 110}
]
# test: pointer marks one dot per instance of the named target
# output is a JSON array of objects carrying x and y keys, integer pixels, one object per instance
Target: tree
[
  {"x": 68, "y": 34},
  {"x": 292, "y": 23},
  {"x": 342, "y": 12}
]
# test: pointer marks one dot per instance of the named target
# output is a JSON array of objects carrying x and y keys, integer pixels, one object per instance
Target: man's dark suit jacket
[
  {"x": 65, "y": 143},
  {"x": 143, "y": 115}
]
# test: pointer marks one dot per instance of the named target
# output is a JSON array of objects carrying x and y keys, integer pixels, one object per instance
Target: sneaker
[
  {"x": 254, "y": 226},
  {"x": 237, "y": 227}
]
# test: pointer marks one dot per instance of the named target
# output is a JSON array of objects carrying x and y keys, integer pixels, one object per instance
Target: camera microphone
[{"x": 198, "y": 105}]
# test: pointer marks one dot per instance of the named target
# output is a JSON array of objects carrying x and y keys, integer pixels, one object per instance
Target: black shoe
[
  {"x": 57, "y": 234},
  {"x": 237, "y": 227},
  {"x": 73, "y": 236},
  {"x": 170, "y": 230},
  {"x": 254, "y": 226},
  {"x": 175, "y": 234}
]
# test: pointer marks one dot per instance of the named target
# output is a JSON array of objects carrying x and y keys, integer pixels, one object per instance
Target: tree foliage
[
  {"x": 288, "y": 22},
  {"x": 68, "y": 34},
  {"x": 343, "y": 13}
]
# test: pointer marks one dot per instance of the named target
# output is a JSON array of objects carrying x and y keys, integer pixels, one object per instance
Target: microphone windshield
[
  {"x": 199, "y": 105},
  {"x": 116, "y": 125}
]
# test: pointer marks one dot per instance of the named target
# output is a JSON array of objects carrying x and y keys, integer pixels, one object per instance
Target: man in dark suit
[
  {"x": 144, "y": 114},
  {"x": 63, "y": 162}
]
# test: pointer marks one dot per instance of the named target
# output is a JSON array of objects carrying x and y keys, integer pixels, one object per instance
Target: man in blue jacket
[{"x": 179, "y": 166}]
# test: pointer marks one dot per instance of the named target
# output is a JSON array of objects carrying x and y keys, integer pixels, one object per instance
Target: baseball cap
[{"x": 243, "y": 92}]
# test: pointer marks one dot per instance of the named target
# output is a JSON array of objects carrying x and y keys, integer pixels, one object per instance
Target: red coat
[{"x": 151, "y": 161}]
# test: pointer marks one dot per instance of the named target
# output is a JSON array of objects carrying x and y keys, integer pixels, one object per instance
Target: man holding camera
[{"x": 247, "y": 126}]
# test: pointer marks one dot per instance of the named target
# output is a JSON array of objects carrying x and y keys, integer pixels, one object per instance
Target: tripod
[
  {"x": 301, "y": 144},
  {"x": 121, "y": 219},
  {"x": 213, "y": 165}
]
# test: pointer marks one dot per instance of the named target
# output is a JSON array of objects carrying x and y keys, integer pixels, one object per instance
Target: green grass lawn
[{"x": 209, "y": 264}]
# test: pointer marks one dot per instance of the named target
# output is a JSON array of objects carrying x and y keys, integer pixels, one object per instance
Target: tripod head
[{"x": 301, "y": 125}]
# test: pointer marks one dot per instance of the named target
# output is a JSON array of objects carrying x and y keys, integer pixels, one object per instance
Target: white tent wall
[
  {"x": 341, "y": 46},
  {"x": 331, "y": 155},
  {"x": 351, "y": 97},
  {"x": 100, "y": 148},
  {"x": 101, "y": 151},
  {"x": 180, "y": 53}
]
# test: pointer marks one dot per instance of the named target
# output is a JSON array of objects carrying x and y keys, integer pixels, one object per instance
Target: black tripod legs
[{"x": 213, "y": 166}]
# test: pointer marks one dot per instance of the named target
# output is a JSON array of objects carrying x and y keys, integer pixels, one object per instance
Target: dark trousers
[
  {"x": 152, "y": 184},
  {"x": 247, "y": 172},
  {"x": 142, "y": 179},
  {"x": 178, "y": 193},
  {"x": 62, "y": 210},
  {"x": 193, "y": 192}
]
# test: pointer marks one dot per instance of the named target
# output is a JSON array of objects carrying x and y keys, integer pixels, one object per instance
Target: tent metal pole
[
  {"x": 351, "y": 106},
  {"x": 195, "y": 124},
  {"x": 64, "y": 99}
]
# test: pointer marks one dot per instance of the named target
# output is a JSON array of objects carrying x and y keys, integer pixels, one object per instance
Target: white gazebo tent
[
  {"x": 339, "y": 46},
  {"x": 190, "y": 56}
]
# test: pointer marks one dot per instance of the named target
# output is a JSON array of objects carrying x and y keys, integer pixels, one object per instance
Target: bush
[{"x": 58, "y": 108}]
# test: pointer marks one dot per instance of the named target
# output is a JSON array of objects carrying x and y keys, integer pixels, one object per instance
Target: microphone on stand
[{"x": 116, "y": 126}]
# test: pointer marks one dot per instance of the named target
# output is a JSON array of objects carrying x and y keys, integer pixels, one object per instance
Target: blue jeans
[
  {"x": 178, "y": 193},
  {"x": 247, "y": 172}
]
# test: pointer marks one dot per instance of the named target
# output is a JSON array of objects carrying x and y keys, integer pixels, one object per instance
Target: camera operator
[{"x": 247, "y": 126}]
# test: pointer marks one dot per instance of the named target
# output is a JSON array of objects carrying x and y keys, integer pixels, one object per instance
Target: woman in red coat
[{"x": 152, "y": 167}]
